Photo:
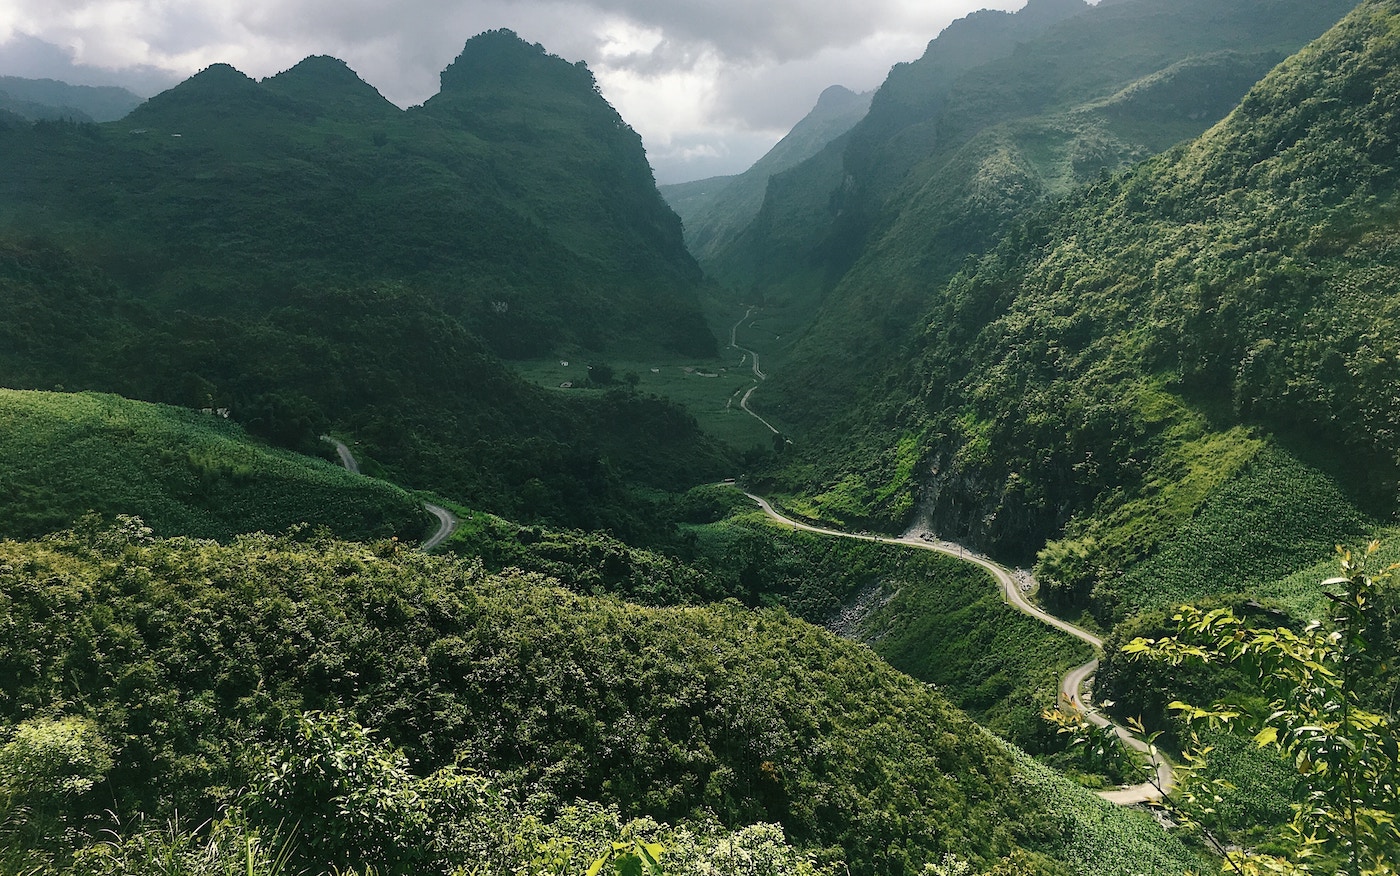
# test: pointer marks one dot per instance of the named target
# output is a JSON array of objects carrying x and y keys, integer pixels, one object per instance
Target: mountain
[
  {"x": 876, "y": 253},
  {"x": 1188, "y": 361},
  {"x": 953, "y": 152},
  {"x": 32, "y": 58},
  {"x": 715, "y": 210},
  {"x": 50, "y": 99},
  {"x": 519, "y": 200},
  {"x": 305, "y": 254},
  {"x": 787, "y": 250}
]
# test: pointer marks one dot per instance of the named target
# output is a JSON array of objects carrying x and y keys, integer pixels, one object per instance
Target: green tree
[
  {"x": 48, "y": 769},
  {"x": 1310, "y": 707},
  {"x": 352, "y": 797}
]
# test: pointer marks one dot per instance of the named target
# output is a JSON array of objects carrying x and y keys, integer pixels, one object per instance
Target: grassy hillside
[{"x": 181, "y": 471}]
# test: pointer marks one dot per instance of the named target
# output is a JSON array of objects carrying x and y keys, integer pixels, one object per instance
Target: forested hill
[
  {"x": 518, "y": 200},
  {"x": 307, "y": 255},
  {"x": 183, "y": 669},
  {"x": 1219, "y": 321}
]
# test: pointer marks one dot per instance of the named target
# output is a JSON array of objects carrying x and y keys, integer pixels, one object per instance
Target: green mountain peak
[
  {"x": 500, "y": 56},
  {"x": 330, "y": 84}
]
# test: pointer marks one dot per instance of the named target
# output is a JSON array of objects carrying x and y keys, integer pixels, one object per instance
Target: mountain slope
[
  {"x": 714, "y": 211},
  {"x": 1137, "y": 349},
  {"x": 520, "y": 200},
  {"x": 49, "y": 99},
  {"x": 383, "y": 365},
  {"x": 926, "y": 184},
  {"x": 797, "y": 231},
  {"x": 181, "y": 471},
  {"x": 305, "y": 254}
]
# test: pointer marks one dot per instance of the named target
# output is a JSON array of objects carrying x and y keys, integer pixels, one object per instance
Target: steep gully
[
  {"x": 1071, "y": 686},
  {"x": 447, "y": 521}
]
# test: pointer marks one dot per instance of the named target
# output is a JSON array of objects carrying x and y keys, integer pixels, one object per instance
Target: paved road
[
  {"x": 758, "y": 375},
  {"x": 447, "y": 521},
  {"x": 733, "y": 342},
  {"x": 1071, "y": 686}
]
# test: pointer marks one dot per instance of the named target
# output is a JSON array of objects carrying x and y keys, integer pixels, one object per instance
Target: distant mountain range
[
  {"x": 36, "y": 99},
  {"x": 715, "y": 210}
]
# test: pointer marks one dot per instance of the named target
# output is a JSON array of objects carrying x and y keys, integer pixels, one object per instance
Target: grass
[
  {"x": 1098, "y": 837},
  {"x": 1301, "y": 594},
  {"x": 709, "y": 389},
  {"x": 943, "y": 621},
  {"x": 1275, "y": 516},
  {"x": 182, "y": 471}
]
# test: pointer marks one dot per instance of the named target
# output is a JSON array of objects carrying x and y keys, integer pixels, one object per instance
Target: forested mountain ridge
[
  {"x": 956, "y": 149},
  {"x": 528, "y": 211},
  {"x": 1208, "y": 320},
  {"x": 788, "y": 245},
  {"x": 305, "y": 254}
]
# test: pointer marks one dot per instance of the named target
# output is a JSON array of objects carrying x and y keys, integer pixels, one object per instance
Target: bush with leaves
[
  {"x": 1310, "y": 708},
  {"x": 48, "y": 770}
]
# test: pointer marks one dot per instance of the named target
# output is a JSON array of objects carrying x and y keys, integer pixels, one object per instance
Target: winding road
[
  {"x": 447, "y": 521},
  {"x": 1071, "y": 686},
  {"x": 758, "y": 374}
]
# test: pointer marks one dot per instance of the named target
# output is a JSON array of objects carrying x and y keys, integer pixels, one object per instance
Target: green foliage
[
  {"x": 188, "y": 651},
  {"x": 1274, "y": 515},
  {"x": 586, "y": 562},
  {"x": 374, "y": 362},
  {"x": 958, "y": 149},
  {"x": 1311, "y": 711},
  {"x": 943, "y": 621},
  {"x": 226, "y": 846},
  {"x": 352, "y": 800},
  {"x": 1114, "y": 370},
  {"x": 49, "y": 769},
  {"x": 46, "y": 762}
]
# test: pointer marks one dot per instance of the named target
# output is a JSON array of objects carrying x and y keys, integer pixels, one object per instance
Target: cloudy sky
[{"x": 709, "y": 84}]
